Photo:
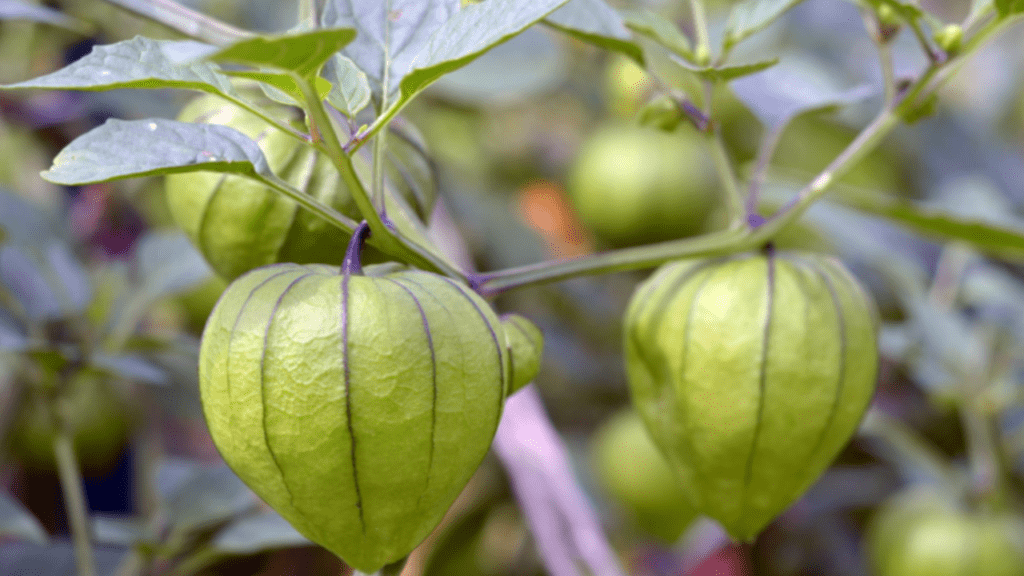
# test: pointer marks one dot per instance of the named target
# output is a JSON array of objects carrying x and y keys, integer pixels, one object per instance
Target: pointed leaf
[
  {"x": 256, "y": 533},
  {"x": 301, "y": 52},
  {"x": 529, "y": 64},
  {"x": 750, "y": 17},
  {"x": 998, "y": 240},
  {"x": 661, "y": 30},
  {"x": 351, "y": 90},
  {"x": 596, "y": 22},
  {"x": 405, "y": 45},
  {"x": 15, "y": 10},
  {"x": 729, "y": 71},
  {"x": 474, "y": 29},
  {"x": 282, "y": 87},
  {"x": 17, "y": 522},
  {"x": 137, "y": 63},
  {"x": 127, "y": 149},
  {"x": 390, "y": 34}
]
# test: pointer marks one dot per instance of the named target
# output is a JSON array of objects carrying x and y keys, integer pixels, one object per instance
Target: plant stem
[
  {"x": 702, "y": 52},
  {"x": 383, "y": 236},
  {"x": 734, "y": 199},
  {"x": 727, "y": 241},
  {"x": 74, "y": 496},
  {"x": 185, "y": 20}
]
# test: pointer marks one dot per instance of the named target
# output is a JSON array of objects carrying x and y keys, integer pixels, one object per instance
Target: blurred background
[{"x": 530, "y": 145}]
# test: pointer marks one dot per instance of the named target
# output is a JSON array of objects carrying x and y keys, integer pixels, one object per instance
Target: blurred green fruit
[
  {"x": 918, "y": 533},
  {"x": 634, "y": 471},
  {"x": 626, "y": 86},
  {"x": 99, "y": 421},
  {"x": 632, "y": 185}
]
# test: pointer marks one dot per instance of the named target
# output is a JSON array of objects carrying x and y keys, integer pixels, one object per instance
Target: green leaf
[
  {"x": 17, "y": 522},
  {"x": 282, "y": 87},
  {"x": 597, "y": 23},
  {"x": 750, "y": 17},
  {"x": 127, "y": 149},
  {"x": 15, "y": 10},
  {"x": 301, "y": 52},
  {"x": 1001, "y": 241},
  {"x": 137, "y": 63},
  {"x": 661, "y": 30},
  {"x": 1009, "y": 7},
  {"x": 350, "y": 92},
  {"x": 256, "y": 533},
  {"x": 730, "y": 71},
  {"x": 405, "y": 45},
  {"x": 527, "y": 65}
]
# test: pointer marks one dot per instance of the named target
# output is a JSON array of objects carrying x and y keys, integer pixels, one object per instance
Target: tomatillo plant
[{"x": 358, "y": 401}]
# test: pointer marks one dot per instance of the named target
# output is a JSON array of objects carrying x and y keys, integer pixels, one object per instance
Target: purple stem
[{"x": 352, "y": 265}]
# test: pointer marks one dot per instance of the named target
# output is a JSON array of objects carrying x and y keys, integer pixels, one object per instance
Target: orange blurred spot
[{"x": 543, "y": 205}]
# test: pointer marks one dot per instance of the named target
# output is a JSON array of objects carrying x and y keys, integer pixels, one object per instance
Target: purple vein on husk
[
  {"x": 433, "y": 382},
  {"x": 762, "y": 380},
  {"x": 263, "y": 385},
  {"x": 349, "y": 267}
]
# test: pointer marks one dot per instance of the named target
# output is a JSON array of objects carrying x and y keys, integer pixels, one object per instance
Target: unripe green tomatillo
[
  {"x": 634, "y": 471},
  {"x": 633, "y": 185},
  {"x": 751, "y": 373},
  {"x": 240, "y": 224},
  {"x": 919, "y": 533},
  {"x": 357, "y": 404}
]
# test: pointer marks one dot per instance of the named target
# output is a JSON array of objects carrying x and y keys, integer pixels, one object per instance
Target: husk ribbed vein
[{"x": 769, "y": 313}]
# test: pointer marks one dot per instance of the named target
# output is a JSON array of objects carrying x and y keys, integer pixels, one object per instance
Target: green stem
[
  {"x": 734, "y": 198},
  {"x": 379, "y": 143},
  {"x": 383, "y": 237},
  {"x": 74, "y": 496},
  {"x": 702, "y": 52},
  {"x": 185, "y": 20},
  {"x": 724, "y": 242}
]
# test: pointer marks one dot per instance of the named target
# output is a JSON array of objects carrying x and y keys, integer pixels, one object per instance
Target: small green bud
[
  {"x": 525, "y": 344},
  {"x": 950, "y": 38}
]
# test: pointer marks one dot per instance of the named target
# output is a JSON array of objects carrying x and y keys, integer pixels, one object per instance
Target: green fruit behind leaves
[
  {"x": 632, "y": 185},
  {"x": 633, "y": 470},
  {"x": 751, "y": 373},
  {"x": 358, "y": 406},
  {"x": 239, "y": 224},
  {"x": 917, "y": 533},
  {"x": 98, "y": 418}
]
